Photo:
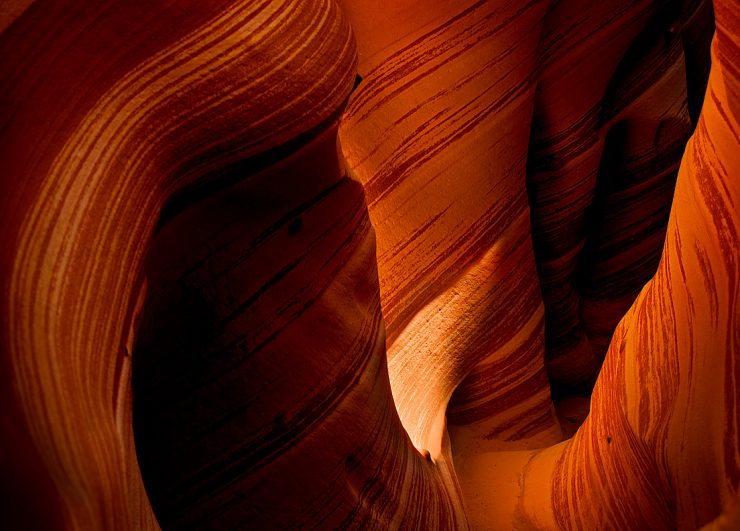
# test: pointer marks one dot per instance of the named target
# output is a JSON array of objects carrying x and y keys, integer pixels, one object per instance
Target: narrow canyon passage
[{"x": 283, "y": 264}]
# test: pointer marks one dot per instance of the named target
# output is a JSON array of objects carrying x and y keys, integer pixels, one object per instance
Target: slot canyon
[{"x": 364, "y": 264}]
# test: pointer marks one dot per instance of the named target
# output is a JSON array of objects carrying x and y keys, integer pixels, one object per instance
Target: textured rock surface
[
  {"x": 313, "y": 287},
  {"x": 651, "y": 455},
  {"x": 437, "y": 133},
  {"x": 611, "y": 118}
]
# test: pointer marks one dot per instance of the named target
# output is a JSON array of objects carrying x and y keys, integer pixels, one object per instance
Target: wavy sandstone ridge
[
  {"x": 437, "y": 133},
  {"x": 244, "y": 286},
  {"x": 651, "y": 455},
  {"x": 602, "y": 161}
]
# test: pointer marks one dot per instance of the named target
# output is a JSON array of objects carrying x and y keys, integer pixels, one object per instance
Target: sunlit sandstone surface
[{"x": 330, "y": 264}]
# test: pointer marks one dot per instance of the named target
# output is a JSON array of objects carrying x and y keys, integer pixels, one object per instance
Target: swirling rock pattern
[
  {"x": 253, "y": 368},
  {"x": 174, "y": 206},
  {"x": 649, "y": 456},
  {"x": 602, "y": 162},
  {"x": 435, "y": 133}
]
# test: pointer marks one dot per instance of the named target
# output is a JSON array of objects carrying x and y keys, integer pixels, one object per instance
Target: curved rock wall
[{"x": 239, "y": 292}]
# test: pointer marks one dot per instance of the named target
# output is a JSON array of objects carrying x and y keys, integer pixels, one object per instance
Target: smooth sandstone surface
[{"x": 243, "y": 286}]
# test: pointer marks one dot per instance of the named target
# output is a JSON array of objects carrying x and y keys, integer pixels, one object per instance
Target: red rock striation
[
  {"x": 611, "y": 119},
  {"x": 279, "y": 264},
  {"x": 437, "y": 133}
]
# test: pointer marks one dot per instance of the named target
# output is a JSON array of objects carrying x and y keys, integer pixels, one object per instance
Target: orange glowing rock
[
  {"x": 237, "y": 292},
  {"x": 660, "y": 448},
  {"x": 437, "y": 134}
]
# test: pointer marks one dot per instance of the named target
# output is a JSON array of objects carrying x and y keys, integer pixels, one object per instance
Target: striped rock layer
[
  {"x": 660, "y": 448},
  {"x": 602, "y": 161},
  {"x": 437, "y": 134},
  {"x": 490, "y": 128},
  {"x": 123, "y": 123},
  {"x": 214, "y": 315}
]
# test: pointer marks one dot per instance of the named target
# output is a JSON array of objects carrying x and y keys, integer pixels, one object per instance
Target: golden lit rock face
[
  {"x": 437, "y": 133},
  {"x": 237, "y": 293}
]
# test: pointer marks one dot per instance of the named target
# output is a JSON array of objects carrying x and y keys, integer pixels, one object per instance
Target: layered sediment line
[{"x": 317, "y": 264}]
